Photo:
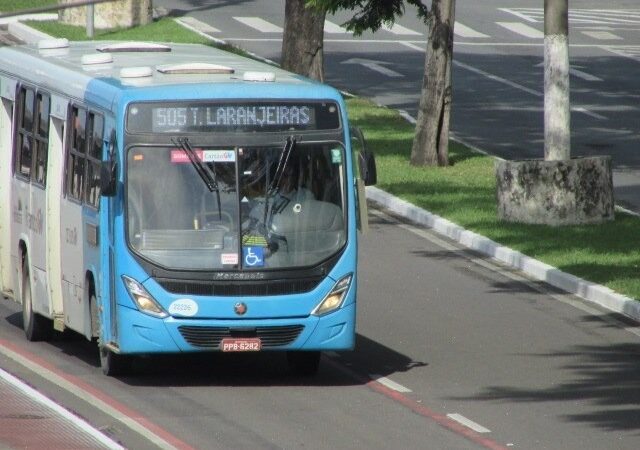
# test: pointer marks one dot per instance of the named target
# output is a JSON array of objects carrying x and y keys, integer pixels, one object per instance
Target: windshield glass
[{"x": 249, "y": 208}]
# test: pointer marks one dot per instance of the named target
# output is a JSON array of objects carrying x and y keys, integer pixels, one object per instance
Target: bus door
[
  {"x": 79, "y": 214},
  {"x": 71, "y": 226},
  {"x": 55, "y": 185},
  {"x": 7, "y": 96},
  {"x": 36, "y": 213}
]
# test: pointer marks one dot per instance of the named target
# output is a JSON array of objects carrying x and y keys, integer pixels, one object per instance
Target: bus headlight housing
[
  {"x": 143, "y": 300},
  {"x": 335, "y": 297}
]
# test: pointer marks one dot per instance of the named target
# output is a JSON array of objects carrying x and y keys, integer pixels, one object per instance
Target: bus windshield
[{"x": 244, "y": 208}]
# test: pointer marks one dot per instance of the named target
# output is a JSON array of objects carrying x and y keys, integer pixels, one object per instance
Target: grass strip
[
  {"x": 464, "y": 193},
  {"x": 19, "y": 5}
]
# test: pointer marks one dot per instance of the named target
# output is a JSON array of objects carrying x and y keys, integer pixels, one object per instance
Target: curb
[{"x": 591, "y": 292}]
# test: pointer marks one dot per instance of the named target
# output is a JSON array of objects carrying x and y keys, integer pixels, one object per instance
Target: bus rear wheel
[
  {"x": 36, "y": 327},
  {"x": 304, "y": 363}
]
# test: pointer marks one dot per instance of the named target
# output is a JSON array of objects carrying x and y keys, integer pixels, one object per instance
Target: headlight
[
  {"x": 143, "y": 300},
  {"x": 335, "y": 297}
]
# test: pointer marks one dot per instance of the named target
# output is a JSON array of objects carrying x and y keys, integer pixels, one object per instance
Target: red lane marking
[
  {"x": 422, "y": 410},
  {"x": 121, "y": 408}
]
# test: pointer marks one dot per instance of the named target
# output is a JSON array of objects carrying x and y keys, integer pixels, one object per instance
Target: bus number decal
[{"x": 183, "y": 307}]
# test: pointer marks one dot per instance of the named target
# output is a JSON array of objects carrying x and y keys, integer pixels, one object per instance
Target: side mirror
[
  {"x": 368, "y": 169},
  {"x": 108, "y": 178},
  {"x": 366, "y": 159}
]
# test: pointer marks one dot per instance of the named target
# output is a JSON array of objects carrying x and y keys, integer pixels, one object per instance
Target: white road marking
[
  {"x": 602, "y": 35},
  {"x": 390, "y": 383},
  {"x": 330, "y": 27},
  {"x": 259, "y": 24},
  {"x": 468, "y": 423},
  {"x": 400, "y": 30},
  {"x": 522, "y": 29},
  {"x": 509, "y": 83},
  {"x": 464, "y": 31},
  {"x": 584, "y": 75},
  {"x": 582, "y": 16},
  {"x": 46, "y": 401},
  {"x": 375, "y": 66},
  {"x": 518, "y": 14},
  {"x": 198, "y": 24}
]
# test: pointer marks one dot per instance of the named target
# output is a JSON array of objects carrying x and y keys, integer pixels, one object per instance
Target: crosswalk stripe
[
  {"x": 400, "y": 30},
  {"x": 259, "y": 24},
  {"x": 602, "y": 35},
  {"x": 199, "y": 25},
  {"x": 464, "y": 31},
  {"x": 330, "y": 27},
  {"x": 522, "y": 29}
]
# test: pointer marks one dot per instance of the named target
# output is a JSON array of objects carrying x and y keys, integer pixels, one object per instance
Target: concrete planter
[
  {"x": 572, "y": 192},
  {"x": 122, "y": 13}
]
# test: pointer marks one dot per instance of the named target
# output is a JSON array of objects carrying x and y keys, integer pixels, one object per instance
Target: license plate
[{"x": 241, "y": 345}]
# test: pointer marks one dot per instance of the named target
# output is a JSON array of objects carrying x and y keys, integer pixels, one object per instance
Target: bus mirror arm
[{"x": 108, "y": 178}]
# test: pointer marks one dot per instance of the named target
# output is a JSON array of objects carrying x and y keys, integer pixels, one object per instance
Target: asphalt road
[
  {"x": 497, "y": 72},
  {"x": 448, "y": 336},
  {"x": 453, "y": 351}
]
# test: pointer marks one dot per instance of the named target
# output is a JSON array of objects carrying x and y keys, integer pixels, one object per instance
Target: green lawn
[
  {"x": 17, "y": 5},
  {"x": 464, "y": 193}
]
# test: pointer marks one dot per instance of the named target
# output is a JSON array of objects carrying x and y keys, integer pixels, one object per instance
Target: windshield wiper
[
  {"x": 274, "y": 186},
  {"x": 206, "y": 173}
]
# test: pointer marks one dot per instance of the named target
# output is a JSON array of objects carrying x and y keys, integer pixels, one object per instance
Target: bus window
[
  {"x": 42, "y": 138},
  {"x": 95, "y": 132},
  {"x": 75, "y": 157},
  {"x": 24, "y": 141}
]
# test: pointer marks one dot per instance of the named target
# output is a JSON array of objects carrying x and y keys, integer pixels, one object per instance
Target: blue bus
[{"x": 171, "y": 198}]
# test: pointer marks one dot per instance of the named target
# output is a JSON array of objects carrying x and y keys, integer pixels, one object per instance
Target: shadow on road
[
  {"x": 607, "y": 378},
  {"x": 227, "y": 369}
]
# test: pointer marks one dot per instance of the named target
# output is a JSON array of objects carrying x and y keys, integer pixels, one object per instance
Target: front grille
[
  {"x": 237, "y": 288},
  {"x": 210, "y": 337}
]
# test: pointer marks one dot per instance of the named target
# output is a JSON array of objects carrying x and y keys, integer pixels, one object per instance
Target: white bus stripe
[
  {"x": 46, "y": 401},
  {"x": 468, "y": 423},
  {"x": 330, "y": 27},
  {"x": 259, "y": 24},
  {"x": 400, "y": 30},
  {"x": 522, "y": 29},
  {"x": 390, "y": 383},
  {"x": 464, "y": 31}
]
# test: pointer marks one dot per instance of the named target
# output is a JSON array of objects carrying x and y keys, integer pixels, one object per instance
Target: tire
[
  {"x": 114, "y": 364},
  {"x": 304, "y": 363},
  {"x": 36, "y": 327}
]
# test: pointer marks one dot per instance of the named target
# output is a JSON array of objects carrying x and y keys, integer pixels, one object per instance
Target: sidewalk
[{"x": 30, "y": 420}]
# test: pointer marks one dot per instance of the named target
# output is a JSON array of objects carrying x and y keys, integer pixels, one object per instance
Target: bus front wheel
[
  {"x": 114, "y": 364},
  {"x": 36, "y": 327},
  {"x": 304, "y": 363}
]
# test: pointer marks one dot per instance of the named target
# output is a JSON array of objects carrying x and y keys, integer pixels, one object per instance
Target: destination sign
[{"x": 231, "y": 117}]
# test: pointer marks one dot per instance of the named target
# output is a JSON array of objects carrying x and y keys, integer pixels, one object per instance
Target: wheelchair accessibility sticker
[{"x": 253, "y": 256}]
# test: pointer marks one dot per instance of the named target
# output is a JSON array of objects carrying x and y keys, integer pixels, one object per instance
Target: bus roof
[{"x": 120, "y": 66}]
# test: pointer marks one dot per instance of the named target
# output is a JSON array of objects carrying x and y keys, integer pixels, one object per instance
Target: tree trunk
[
  {"x": 302, "y": 42},
  {"x": 557, "y": 108},
  {"x": 431, "y": 141}
]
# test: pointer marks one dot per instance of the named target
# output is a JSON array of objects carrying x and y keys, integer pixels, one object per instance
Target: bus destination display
[{"x": 206, "y": 117}]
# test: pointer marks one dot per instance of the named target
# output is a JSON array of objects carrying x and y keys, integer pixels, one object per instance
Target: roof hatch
[
  {"x": 194, "y": 68},
  {"x": 134, "y": 47}
]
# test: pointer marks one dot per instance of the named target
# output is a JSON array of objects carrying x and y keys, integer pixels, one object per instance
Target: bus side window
[
  {"x": 23, "y": 149},
  {"x": 42, "y": 138},
  {"x": 95, "y": 138},
  {"x": 76, "y": 154}
]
